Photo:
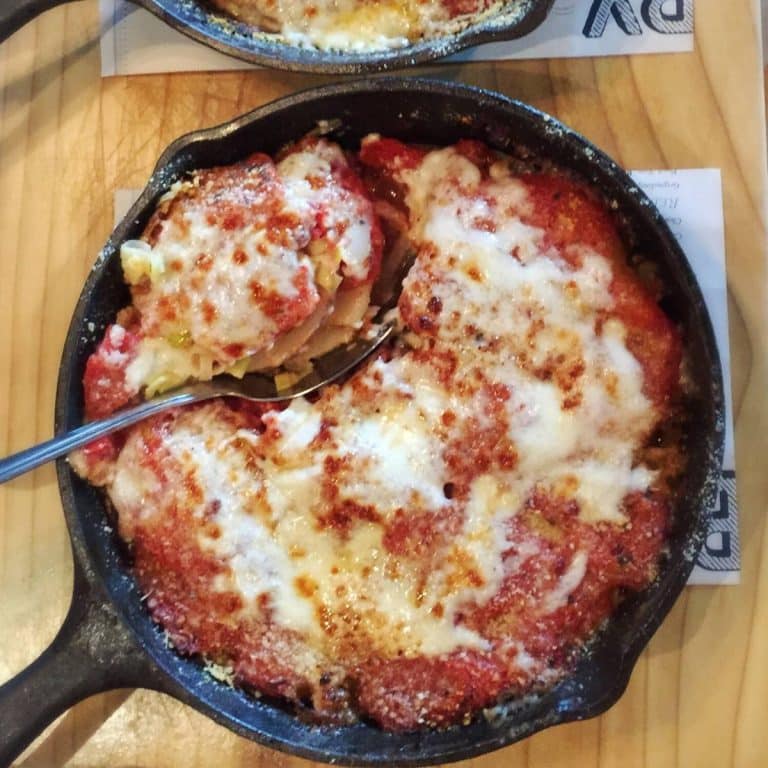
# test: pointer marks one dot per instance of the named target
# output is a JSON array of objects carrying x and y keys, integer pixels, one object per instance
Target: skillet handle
[
  {"x": 93, "y": 652},
  {"x": 14, "y": 14}
]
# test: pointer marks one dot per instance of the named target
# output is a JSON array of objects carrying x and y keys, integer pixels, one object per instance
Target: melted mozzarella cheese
[
  {"x": 395, "y": 463},
  {"x": 483, "y": 537},
  {"x": 267, "y": 516},
  {"x": 352, "y": 25},
  {"x": 505, "y": 282},
  {"x": 569, "y": 581},
  {"x": 208, "y": 284},
  {"x": 308, "y": 175}
]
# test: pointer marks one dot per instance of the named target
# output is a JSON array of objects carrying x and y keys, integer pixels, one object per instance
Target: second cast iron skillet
[
  {"x": 216, "y": 30},
  {"x": 108, "y": 640}
]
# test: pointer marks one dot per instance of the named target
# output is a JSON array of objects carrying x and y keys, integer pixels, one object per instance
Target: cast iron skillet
[
  {"x": 108, "y": 640},
  {"x": 218, "y": 31}
]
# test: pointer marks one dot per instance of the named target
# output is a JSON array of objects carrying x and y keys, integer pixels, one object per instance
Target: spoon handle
[{"x": 26, "y": 460}]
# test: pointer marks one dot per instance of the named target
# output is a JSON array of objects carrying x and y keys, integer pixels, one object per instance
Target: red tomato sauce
[{"x": 104, "y": 384}]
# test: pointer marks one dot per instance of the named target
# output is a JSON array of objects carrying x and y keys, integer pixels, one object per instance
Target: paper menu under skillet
[{"x": 692, "y": 203}]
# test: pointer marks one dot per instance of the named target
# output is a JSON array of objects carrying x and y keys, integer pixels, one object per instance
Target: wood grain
[{"x": 699, "y": 696}]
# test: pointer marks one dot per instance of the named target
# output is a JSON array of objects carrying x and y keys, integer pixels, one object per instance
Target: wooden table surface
[{"x": 68, "y": 139}]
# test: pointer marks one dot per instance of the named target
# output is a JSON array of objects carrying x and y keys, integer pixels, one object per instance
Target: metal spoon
[{"x": 254, "y": 386}]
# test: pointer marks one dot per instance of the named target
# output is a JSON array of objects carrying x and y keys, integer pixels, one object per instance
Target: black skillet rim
[
  {"x": 233, "y": 38},
  {"x": 601, "y": 676}
]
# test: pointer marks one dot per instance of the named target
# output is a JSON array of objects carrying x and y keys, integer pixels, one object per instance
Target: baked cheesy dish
[
  {"x": 451, "y": 524},
  {"x": 359, "y": 25}
]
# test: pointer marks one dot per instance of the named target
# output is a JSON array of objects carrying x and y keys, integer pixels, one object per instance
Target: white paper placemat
[
  {"x": 692, "y": 203},
  {"x": 691, "y": 200},
  {"x": 133, "y": 41}
]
